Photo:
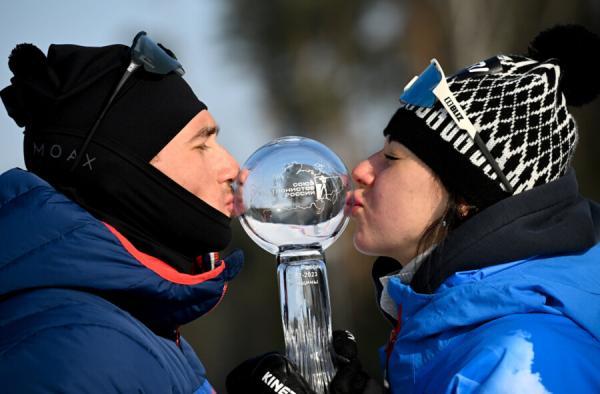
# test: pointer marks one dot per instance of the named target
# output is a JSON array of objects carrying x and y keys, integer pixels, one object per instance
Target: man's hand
[
  {"x": 350, "y": 377},
  {"x": 270, "y": 373}
]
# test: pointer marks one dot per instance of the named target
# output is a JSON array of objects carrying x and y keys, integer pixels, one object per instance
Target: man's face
[{"x": 195, "y": 160}]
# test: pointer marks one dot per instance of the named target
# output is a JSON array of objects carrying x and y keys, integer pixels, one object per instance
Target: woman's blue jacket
[{"x": 526, "y": 325}]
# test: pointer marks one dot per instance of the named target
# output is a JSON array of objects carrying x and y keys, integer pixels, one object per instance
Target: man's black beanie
[{"x": 57, "y": 99}]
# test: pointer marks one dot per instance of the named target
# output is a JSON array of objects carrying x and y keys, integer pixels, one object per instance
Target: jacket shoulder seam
[{"x": 13, "y": 198}]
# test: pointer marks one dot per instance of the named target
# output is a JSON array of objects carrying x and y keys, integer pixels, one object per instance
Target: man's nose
[{"x": 230, "y": 169}]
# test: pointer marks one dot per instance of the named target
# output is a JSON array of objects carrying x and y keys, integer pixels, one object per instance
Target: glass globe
[{"x": 291, "y": 194}]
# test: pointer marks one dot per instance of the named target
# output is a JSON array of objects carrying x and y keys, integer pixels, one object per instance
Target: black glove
[
  {"x": 350, "y": 377},
  {"x": 271, "y": 373}
]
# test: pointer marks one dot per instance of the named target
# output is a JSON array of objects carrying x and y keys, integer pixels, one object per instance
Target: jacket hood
[
  {"x": 48, "y": 241},
  {"x": 562, "y": 285}
]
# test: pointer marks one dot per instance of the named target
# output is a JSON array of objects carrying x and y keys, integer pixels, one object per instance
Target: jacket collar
[
  {"x": 552, "y": 285},
  {"x": 548, "y": 220}
]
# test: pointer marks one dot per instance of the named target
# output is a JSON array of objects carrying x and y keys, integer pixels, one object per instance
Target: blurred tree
[
  {"x": 314, "y": 56},
  {"x": 332, "y": 70}
]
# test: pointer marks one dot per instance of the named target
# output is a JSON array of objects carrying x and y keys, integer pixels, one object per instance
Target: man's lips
[{"x": 229, "y": 204}]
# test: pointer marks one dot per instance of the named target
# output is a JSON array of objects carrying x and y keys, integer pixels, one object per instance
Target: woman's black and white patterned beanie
[{"x": 518, "y": 106}]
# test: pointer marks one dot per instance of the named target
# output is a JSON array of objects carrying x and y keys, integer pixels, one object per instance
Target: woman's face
[{"x": 397, "y": 198}]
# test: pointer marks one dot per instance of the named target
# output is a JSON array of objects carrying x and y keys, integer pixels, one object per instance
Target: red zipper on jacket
[
  {"x": 392, "y": 341},
  {"x": 178, "y": 338}
]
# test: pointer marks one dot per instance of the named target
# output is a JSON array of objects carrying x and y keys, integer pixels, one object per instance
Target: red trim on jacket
[
  {"x": 161, "y": 268},
  {"x": 393, "y": 336}
]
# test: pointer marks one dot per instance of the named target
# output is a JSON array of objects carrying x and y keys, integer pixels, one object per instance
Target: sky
[{"x": 190, "y": 28}]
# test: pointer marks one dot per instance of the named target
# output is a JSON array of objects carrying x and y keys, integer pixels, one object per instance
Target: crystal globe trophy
[{"x": 290, "y": 198}]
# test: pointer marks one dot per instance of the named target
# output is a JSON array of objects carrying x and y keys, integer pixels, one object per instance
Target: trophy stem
[{"x": 306, "y": 314}]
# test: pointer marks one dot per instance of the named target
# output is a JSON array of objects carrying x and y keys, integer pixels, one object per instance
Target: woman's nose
[{"x": 363, "y": 174}]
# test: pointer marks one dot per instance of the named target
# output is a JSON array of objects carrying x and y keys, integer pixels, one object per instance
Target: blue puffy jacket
[
  {"x": 530, "y": 325},
  {"x": 77, "y": 301}
]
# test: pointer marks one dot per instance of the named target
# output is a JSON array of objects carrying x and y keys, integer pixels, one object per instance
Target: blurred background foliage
[{"x": 333, "y": 70}]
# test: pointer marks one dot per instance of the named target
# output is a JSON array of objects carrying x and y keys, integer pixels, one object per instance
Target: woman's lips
[{"x": 353, "y": 204}]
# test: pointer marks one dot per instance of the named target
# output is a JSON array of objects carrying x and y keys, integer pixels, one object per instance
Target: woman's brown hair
[{"x": 454, "y": 215}]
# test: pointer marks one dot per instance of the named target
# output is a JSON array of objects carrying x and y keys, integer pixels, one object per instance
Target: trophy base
[{"x": 306, "y": 315}]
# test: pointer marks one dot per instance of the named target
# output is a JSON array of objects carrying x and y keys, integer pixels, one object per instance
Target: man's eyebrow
[{"x": 205, "y": 132}]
